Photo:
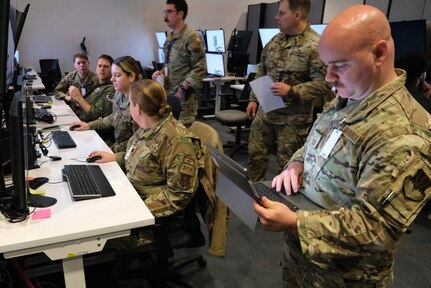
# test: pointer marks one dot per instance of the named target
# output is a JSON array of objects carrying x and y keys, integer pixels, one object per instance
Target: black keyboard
[
  {"x": 63, "y": 139},
  {"x": 42, "y": 98},
  {"x": 272, "y": 194},
  {"x": 86, "y": 182}
]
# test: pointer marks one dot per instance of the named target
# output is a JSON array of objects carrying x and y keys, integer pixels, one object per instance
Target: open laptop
[{"x": 234, "y": 178}]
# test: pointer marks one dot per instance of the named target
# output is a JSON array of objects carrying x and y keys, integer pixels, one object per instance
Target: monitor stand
[{"x": 40, "y": 201}]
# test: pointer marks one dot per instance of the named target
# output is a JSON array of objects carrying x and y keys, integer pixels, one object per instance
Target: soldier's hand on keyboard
[{"x": 291, "y": 178}]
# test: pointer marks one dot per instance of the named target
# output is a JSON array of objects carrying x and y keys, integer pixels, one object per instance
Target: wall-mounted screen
[
  {"x": 215, "y": 64},
  {"x": 215, "y": 40},
  {"x": 161, "y": 38},
  {"x": 266, "y": 34}
]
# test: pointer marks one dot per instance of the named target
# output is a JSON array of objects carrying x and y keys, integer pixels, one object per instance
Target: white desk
[
  {"x": 63, "y": 113},
  {"x": 37, "y": 83},
  {"x": 218, "y": 82},
  {"x": 76, "y": 228}
]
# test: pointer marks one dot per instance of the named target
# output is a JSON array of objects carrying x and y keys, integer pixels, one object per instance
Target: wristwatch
[{"x": 291, "y": 94}]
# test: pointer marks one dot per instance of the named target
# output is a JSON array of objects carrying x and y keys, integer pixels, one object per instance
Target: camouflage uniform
[
  {"x": 101, "y": 102},
  {"x": 162, "y": 164},
  {"x": 186, "y": 55},
  {"x": 373, "y": 184},
  {"x": 120, "y": 120},
  {"x": 73, "y": 79},
  {"x": 299, "y": 60}
]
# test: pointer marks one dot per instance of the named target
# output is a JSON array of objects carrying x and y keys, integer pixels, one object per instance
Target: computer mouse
[
  {"x": 93, "y": 159},
  {"x": 73, "y": 127}
]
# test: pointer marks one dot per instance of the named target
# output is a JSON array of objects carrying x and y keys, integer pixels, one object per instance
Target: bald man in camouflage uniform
[
  {"x": 82, "y": 78},
  {"x": 366, "y": 161},
  {"x": 185, "y": 65},
  {"x": 293, "y": 63},
  {"x": 119, "y": 120}
]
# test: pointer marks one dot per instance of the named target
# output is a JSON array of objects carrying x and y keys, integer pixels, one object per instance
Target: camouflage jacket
[
  {"x": 185, "y": 57},
  {"x": 163, "y": 163},
  {"x": 120, "y": 119},
  {"x": 101, "y": 102},
  {"x": 373, "y": 183},
  {"x": 73, "y": 79},
  {"x": 297, "y": 60}
]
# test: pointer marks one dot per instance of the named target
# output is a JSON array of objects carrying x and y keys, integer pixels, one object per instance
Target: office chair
[
  {"x": 175, "y": 104},
  {"x": 237, "y": 117},
  {"x": 50, "y": 73}
]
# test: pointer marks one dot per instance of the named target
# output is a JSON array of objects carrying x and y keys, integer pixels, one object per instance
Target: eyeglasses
[{"x": 168, "y": 11}]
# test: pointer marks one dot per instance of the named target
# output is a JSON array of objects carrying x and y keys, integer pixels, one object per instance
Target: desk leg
[
  {"x": 218, "y": 97},
  {"x": 73, "y": 269}
]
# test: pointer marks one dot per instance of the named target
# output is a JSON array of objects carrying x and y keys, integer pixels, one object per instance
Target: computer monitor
[
  {"x": 202, "y": 34},
  {"x": 15, "y": 199},
  {"x": 318, "y": 28},
  {"x": 239, "y": 41},
  {"x": 161, "y": 39},
  {"x": 215, "y": 64},
  {"x": 266, "y": 34},
  {"x": 161, "y": 55},
  {"x": 409, "y": 36},
  {"x": 215, "y": 40},
  {"x": 20, "y": 20}
]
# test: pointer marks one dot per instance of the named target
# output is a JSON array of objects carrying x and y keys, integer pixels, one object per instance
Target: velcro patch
[{"x": 414, "y": 187}]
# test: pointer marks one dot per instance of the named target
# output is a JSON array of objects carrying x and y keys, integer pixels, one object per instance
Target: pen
[{"x": 386, "y": 199}]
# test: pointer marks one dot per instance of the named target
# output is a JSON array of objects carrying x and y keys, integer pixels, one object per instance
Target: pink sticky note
[{"x": 40, "y": 214}]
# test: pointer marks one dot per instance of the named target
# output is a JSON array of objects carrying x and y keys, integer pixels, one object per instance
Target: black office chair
[
  {"x": 237, "y": 117},
  {"x": 155, "y": 261},
  {"x": 175, "y": 104},
  {"x": 50, "y": 73}
]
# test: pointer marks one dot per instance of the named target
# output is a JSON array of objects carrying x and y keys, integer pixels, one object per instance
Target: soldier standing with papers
[{"x": 291, "y": 59}]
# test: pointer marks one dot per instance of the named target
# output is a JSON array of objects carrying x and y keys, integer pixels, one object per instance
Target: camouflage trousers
[
  {"x": 189, "y": 108},
  {"x": 266, "y": 136},
  {"x": 298, "y": 272}
]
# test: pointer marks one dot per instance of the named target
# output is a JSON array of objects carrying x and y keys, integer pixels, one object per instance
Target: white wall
[{"x": 54, "y": 28}]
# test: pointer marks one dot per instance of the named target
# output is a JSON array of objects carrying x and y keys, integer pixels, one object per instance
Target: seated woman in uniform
[
  {"x": 125, "y": 71},
  {"x": 162, "y": 159}
]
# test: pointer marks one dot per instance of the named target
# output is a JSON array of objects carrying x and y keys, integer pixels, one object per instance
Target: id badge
[
  {"x": 329, "y": 145},
  {"x": 83, "y": 91},
  {"x": 166, "y": 70}
]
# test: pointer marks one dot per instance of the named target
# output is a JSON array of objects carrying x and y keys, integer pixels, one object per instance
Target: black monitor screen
[
  {"x": 215, "y": 64},
  {"x": 239, "y": 41},
  {"x": 161, "y": 39},
  {"x": 17, "y": 132},
  {"x": 266, "y": 34},
  {"x": 215, "y": 40},
  {"x": 409, "y": 36},
  {"x": 20, "y": 20}
]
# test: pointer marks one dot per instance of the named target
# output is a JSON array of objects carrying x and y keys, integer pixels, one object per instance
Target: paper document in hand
[{"x": 262, "y": 89}]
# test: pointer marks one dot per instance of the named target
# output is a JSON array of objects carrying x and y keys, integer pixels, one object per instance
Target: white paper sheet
[{"x": 262, "y": 89}]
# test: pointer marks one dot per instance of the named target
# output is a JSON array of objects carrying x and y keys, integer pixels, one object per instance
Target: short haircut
[
  {"x": 414, "y": 64},
  {"x": 180, "y": 5},
  {"x": 301, "y": 5},
  {"x": 129, "y": 65},
  {"x": 106, "y": 57},
  {"x": 150, "y": 96},
  {"x": 80, "y": 55}
]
